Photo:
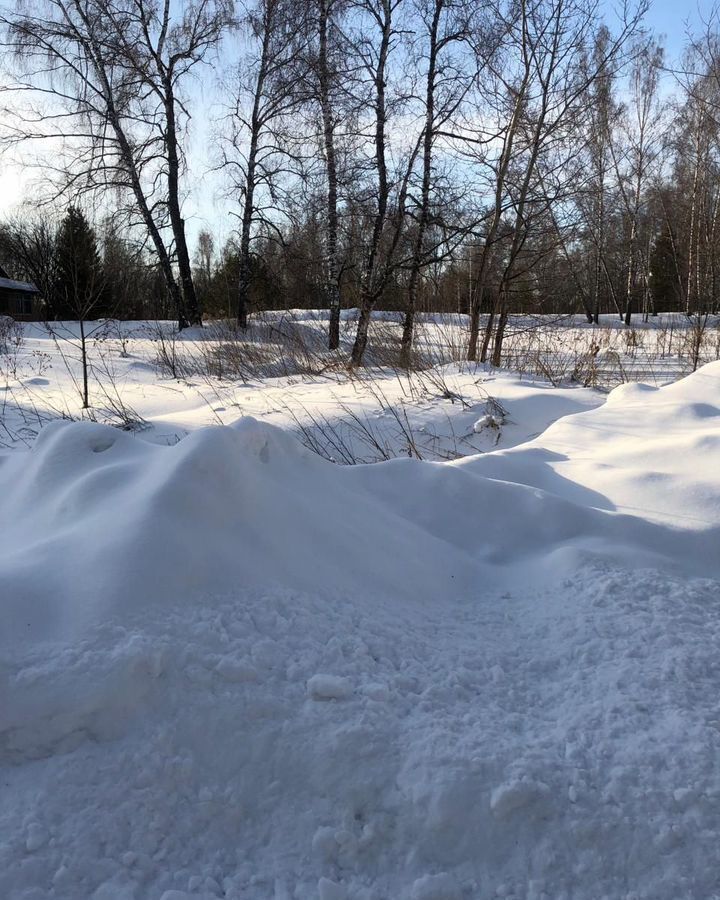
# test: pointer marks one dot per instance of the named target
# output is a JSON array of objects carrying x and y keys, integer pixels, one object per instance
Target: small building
[{"x": 18, "y": 299}]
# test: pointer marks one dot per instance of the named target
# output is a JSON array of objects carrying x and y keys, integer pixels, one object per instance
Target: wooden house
[{"x": 18, "y": 299}]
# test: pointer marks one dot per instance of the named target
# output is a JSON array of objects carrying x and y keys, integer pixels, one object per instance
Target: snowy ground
[
  {"x": 442, "y": 412},
  {"x": 232, "y": 669},
  {"x": 144, "y": 377}
]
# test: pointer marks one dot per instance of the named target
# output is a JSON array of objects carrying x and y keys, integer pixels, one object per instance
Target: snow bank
[
  {"x": 230, "y": 669},
  {"x": 651, "y": 452},
  {"x": 98, "y": 524}
]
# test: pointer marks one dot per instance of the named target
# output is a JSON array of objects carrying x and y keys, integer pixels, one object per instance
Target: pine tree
[{"x": 80, "y": 290}]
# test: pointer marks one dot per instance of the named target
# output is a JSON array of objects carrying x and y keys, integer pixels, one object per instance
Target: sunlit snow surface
[{"x": 230, "y": 668}]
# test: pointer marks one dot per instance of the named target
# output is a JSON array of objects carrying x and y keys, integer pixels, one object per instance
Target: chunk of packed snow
[
  {"x": 436, "y": 887},
  {"x": 487, "y": 421},
  {"x": 329, "y": 687},
  {"x": 515, "y": 795}
]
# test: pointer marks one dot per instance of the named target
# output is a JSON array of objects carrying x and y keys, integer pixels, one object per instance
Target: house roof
[{"x": 7, "y": 284}]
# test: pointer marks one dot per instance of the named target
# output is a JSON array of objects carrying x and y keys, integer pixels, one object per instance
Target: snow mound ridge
[
  {"x": 652, "y": 453},
  {"x": 101, "y": 524}
]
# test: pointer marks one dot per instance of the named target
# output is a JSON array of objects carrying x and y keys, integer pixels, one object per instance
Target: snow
[
  {"x": 647, "y": 451},
  {"x": 230, "y": 668},
  {"x": 329, "y": 687},
  {"x": 346, "y": 417}
]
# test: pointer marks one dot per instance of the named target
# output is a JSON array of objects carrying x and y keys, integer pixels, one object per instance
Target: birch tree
[
  {"x": 253, "y": 148},
  {"x": 327, "y": 70},
  {"x": 446, "y": 23},
  {"x": 103, "y": 83},
  {"x": 641, "y": 128},
  {"x": 549, "y": 102},
  {"x": 375, "y": 40}
]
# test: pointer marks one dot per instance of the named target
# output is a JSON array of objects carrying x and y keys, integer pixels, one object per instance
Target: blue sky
[{"x": 668, "y": 18}]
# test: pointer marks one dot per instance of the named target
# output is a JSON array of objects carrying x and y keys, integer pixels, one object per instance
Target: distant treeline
[
  {"x": 98, "y": 273},
  {"x": 403, "y": 154}
]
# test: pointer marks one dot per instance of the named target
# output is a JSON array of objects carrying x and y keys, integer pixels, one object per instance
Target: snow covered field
[
  {"x": 143, "y": 376},
  {"x": 230, "y": 668}
]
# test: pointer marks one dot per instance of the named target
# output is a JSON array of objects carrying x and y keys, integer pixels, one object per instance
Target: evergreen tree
[
  {"x": 667, "y": 273},
  {"x": 80, "y": 289}
]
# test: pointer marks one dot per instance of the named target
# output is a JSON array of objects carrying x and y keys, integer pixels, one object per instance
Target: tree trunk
[
  {"x": 84, "y": 362},
  {"x": 487, "y": 334},
  {"x": 500, "y": 334},
  {"x": 408, "y": 333},
  {"x": 428, "y": 139},
  {"x": 244, "y": 280},
  {"x": 479, "y": 292},
  {"x": 192, "y": 309},
  {"x": 332, "y": 268},
  {"x": 244, "y": 262},
  {"x": 369, "y": 295},
  {"x": 474, "y": 333},
  {"x": 693, "y": 226},
  {"x": 361, "y": 336},
  {"x": 600, "y": 248}
]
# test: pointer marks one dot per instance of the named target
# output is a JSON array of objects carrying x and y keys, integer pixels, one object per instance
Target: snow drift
[
  {"x": 98, "y": 523},
  {"x": 230, "y": 669}
]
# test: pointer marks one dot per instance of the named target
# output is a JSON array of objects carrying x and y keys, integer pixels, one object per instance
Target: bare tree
[
  {"x": 206, "y": 252},
  {"x": 28, "y": 249},
  {"x": 698, "y": 165},
  {"x": 509, "y": 94},
  {"x": 603, "y": 111},
  {"x": 107, "y": 79},
  {"x": 374, "y": 42},
  {"x": 162, "y": 48},
  {"x": 545, "y": 95},
  {"x": 641, "y": 128},
  {"x": 446, "y": 23},
  {"x": 326, "y": 71},
  {"x": 254, "y": 147}
]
